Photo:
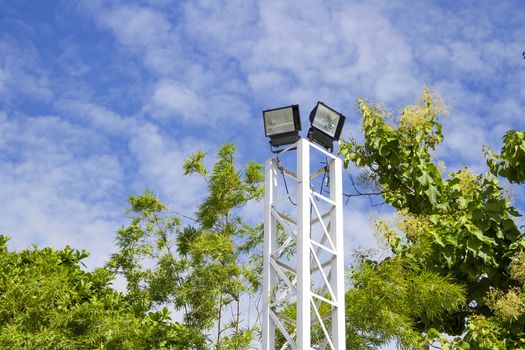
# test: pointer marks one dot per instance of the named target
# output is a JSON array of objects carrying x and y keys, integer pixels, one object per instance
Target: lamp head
[
  {"x": 282, "y": 125},
  {"x": 326, "y": 125}
]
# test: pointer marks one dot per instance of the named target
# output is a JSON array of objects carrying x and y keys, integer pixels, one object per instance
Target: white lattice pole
[{"x": 316, "y": 237}]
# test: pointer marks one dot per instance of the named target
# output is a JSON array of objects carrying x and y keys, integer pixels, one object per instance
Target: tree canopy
[
  {"x": 49, "y": 302},
  {"x": 456, "y": 251},
  {"x": 202, "y": 270}
]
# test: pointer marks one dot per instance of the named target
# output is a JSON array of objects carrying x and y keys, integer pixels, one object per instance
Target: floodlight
[
  {"x": 326, "y": 125},
  {"x": 282, "y": 125}
]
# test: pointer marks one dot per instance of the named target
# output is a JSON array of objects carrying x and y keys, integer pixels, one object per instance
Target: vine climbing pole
[{"x": 303, "y": 269}]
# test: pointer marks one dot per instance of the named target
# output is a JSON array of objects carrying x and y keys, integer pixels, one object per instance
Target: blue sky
[{"x": 101, "y": 99}]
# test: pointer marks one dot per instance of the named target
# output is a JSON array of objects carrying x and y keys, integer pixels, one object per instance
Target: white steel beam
[
  {"x": 336, "y": 233},
  {"x": 303, "y": 245},
  {"x": 269, "y": 278}
]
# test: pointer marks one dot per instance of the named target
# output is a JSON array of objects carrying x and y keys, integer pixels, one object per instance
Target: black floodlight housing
[
  {"x": 282, "y": 125},
  {"x": 326, "y": 127}
]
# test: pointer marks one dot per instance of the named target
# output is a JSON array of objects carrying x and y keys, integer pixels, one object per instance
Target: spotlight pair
[{"x": 282, "y": 125}]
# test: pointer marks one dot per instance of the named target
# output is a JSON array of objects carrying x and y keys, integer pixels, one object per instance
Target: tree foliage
[
  {"x": 458, "y": 229},
  {"x": 510, "y": 163},
  {"x": 387, "y": 299},
  {"x": 201, "y": 270},
  {"x": 49, "y": 302}
]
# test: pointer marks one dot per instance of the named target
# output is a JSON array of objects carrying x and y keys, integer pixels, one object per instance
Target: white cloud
[
  {"x": 53, "y": 192},
  {"x": 508, "y": 109},
  {"x": 66, "y": 182},
  {"x": 154, "y": 157},
  {"x": 97, "y": 117},
  {"x": 144, "y": 31},
  {"x": 138, "y": 26},
  {"x": 160, "y": 162},
  {"x": 466, "y": 58},
  {"x": 330, "y": 51},
  {"x": 190, "y": 88},
  {"x": 70, "y": 60},
  {"x": 173, "y": 100},
  {"x": 227, "y": 26},
  {"x": 21, "y": 71},
  {"x": 358, "y": 229},
  {"x": 466, "y": 143}
]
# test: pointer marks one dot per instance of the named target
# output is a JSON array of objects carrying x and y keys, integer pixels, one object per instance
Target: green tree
[
  {"x": 203, "y": 270},
  {"x": 49, "y": 302},
  {"x": 456, "y": 251},
  {"x": 511, "y": 162}
]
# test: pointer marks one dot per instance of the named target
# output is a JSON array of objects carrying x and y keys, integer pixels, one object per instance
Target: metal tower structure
[{"x": 303, "y": 271}]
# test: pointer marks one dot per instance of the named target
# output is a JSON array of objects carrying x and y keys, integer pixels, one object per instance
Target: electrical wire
[
  {"x": 324, "y": 176},
  {"x": 280, "y": 167},
  {"x": 286, "y": 187}
]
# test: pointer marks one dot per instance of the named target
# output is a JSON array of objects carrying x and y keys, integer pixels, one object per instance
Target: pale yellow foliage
[
  {"x": 506, "y": 306},
  {"x": 402, "y": 223},
  {"x": 412, "y": 225},
  {"x": 383, "y": 231},
  {"x": 468, "y": 182},
  {"x": 517, "y": 267},
  {"x": 417, "y": 117},
  {"x": 378, "y": 110}
]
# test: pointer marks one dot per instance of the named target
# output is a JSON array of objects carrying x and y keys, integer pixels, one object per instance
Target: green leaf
[
  {"x": 425, "y": 179},
  {"x": 433, "y": 194}
]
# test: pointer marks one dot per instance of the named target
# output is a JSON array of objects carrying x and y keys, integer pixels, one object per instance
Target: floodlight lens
[
  {"x": 279, "y": 121},
  {"x": 326, "y": 120}
]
